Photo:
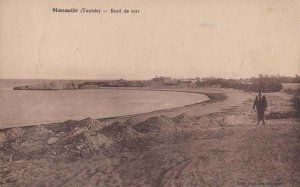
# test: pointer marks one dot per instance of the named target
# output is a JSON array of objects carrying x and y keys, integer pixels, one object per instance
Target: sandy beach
[{"x": 215, "y": 143}]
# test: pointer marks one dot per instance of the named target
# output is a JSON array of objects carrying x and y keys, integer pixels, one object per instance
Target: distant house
[
  {"x": 246, "y": 81},
  {"x": 91, "y": 85},
  {"x": 70, "y": 86},
  {"x": 165, "y": 80},
  {"x": 190, "y": 80},
  {"x": 162, "y": 79}
]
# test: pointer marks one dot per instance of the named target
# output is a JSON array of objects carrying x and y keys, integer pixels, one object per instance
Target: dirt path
[{"x": 216, "y": 145}]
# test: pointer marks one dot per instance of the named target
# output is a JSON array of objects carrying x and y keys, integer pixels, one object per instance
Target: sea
[{"x": 32, "y": 107}]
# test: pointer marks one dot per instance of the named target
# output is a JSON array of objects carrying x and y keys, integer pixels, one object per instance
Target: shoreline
[
  {"x": 216, "y": 142},
  {"x": 212, "y": 97},
  {"x": 220, "y": 99}
]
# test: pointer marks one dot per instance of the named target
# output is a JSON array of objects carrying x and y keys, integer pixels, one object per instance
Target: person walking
[{"x": 261, "y": 106}]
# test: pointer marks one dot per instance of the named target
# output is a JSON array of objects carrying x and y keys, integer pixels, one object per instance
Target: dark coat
[{"x": 260, "y": 103}]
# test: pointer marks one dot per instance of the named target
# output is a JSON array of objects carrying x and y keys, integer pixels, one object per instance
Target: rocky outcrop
[
  {"x": 50, "y": 86},
  {"x": 72, "y": 85}
]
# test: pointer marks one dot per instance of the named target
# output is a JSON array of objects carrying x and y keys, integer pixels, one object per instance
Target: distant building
[
  {"x": 190, "y": 80},
  {"x": 165, "y": 80},
  {"x": 246, "y": 81},
  {"x": 162, "y": 79}
]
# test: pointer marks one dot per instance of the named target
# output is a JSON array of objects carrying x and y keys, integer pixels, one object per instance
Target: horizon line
[{"x": 257, "y": 76}]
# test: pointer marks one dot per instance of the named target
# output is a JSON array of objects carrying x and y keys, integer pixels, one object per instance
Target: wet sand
[{"x": 216, "y": 143}]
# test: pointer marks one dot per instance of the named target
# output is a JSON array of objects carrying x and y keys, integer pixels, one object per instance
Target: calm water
[{"x": 35, "y": 107}]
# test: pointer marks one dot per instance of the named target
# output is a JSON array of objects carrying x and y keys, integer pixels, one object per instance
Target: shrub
[
  {"x": 296, "y": 104},
  {"x": 265, "y": 83}
]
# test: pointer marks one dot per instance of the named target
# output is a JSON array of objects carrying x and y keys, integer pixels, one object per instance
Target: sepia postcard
[{"x": 150, "y": 93}]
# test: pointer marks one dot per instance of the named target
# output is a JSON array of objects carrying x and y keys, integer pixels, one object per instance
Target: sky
[{"x": 177, "y": 38}]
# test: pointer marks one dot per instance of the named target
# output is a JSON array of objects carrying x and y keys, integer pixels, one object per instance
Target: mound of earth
[
  {"x": 14, "y": 132},
  {"x": 26, "y": 143},
  {"x": 82, "y": 144},
  {"x": 2, "y": 138},
  {"x": 184, "y": 120},
  {"x": 131, "y": 121},
  {"x": 155, "y": 124},
  {"x": 119, "y": 132},
  {"x": 65, "y": 140},
  {"x": 35, "y": 134},
  {"x": 70, "y": 125},
  {"x": 204, "y": 121}
]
